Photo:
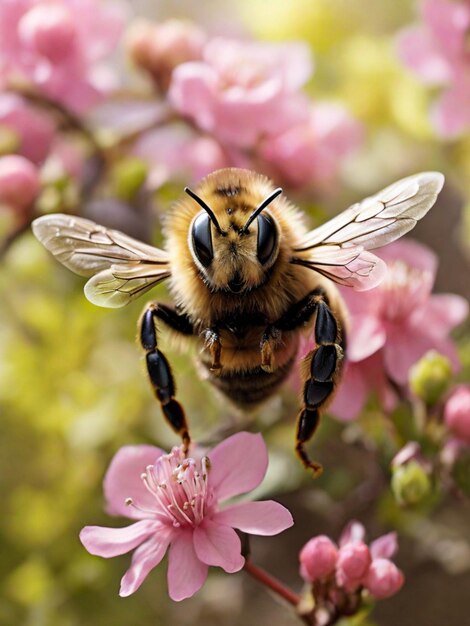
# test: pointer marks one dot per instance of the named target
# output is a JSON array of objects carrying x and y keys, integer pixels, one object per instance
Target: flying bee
[{"x": 248, "y": 279}]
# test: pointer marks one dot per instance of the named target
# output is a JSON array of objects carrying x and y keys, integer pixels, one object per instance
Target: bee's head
[{"x": 234, "y": 243}]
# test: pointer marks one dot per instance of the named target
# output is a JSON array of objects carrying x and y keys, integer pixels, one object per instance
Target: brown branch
[{"x": 272, "y": 583}]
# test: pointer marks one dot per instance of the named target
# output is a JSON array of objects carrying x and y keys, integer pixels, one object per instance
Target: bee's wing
[
  {"x": 121, "y": 267},
  {"x": 338, "y": 249}
]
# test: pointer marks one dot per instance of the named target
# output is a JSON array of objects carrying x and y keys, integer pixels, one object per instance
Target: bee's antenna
[
  {"x": 206, "y": 208},
  {"x": 261, "y": 207}
]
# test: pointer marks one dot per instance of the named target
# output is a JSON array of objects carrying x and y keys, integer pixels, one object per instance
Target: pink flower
[
  {"x": 318, "y": 558},
  {"x": 33, "y": 129},
  {"x": 176, "y": 152},
  {"x": 159, "y": 48},
  {"x": 457, "y": 413},
  {"x": 383, "y": 579},
  {"x": 311, "y": 153},
  {"x": 176, "y": 501},
  {"x": 242, "y": 91},
  {"x": 19, "y": 182},
  {"x": 438, "y": 52},
  {"x": 57, "y": 46},
  {"x": 397, "y": 322}
]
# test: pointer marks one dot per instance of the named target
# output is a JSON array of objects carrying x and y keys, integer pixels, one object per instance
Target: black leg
[
  {"x": 159, "y": 369},
  {"x": 323, "y": 373}
]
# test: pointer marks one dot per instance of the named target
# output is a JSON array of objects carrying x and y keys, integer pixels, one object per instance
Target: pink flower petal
[
  {"x": 108, "y": 542},
  {"x": 419, "y": 50},
  {"x": 385, "y": 546},
  {"x": 123, "y": 480},
  {"x": 352, "y": 393},
  {"x": 238, "y": 464},
  {"x": 412, "y": 254},
  {"x": 145, "y": 558},
  {"x": 404, "y": 347},
  {"x": 257, "y": 518},
  {"x": 192, "y": 90},
  {"x": 443, "y": 312},
  {"x": 218, "y": 545},
  {"x": 354, "y": 532},
  {"x": 186, "y": 573},
  {"x": 367, "y": 335}
]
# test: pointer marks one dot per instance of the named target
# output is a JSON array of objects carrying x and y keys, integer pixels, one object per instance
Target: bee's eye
[
  {"x": 267, "y": 238},
  {"x": 202, "y": 239}
]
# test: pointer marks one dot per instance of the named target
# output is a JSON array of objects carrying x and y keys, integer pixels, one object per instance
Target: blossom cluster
[
  {"x": 50, "y": 52},
  {"x": 243, "y": 104},
  {"x": 337, "y": 576},
  {"x": 393, "y": 325},
  {"x": 437, "y": 51}
]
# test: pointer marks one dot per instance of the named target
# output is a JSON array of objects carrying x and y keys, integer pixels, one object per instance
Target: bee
[{"x": 248, "y": 280}]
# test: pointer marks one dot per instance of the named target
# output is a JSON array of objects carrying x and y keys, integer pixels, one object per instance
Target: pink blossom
[
  {"x": 33, "y": 129},
  {"x": 175, "y": 151},
  {"x": 457, "y": 413},
  {"x": 19, "y": 182},
  {"x": 437, "y": 51},
  {"x": 354, "y": 565},
  {"x": 318, "y": 558},
  {"x": 383, "y": 579},
  {"x": 58, "y": 45},
  {"x": 242, "y": 91},
  {"x": 176, "y": 501},
  {"x": 159, "y": 48},
  {"x": 397, "y": 322},
  {"x": 311, "y": 153}
]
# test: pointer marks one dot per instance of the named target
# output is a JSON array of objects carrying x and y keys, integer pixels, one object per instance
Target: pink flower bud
[
  {"x": 318, "y": 558},
  {"x": 19, "y": 181},
  {"x": 383, "y": 579},
  {"x": 457, "y": 413},
  {"x": 353, "y": 563},
  {"x": 49, "y": 30},
  {"x": 159, "y": 48}
]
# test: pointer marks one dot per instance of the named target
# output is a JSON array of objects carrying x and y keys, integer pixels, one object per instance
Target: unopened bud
[
  {"x": 430, "y": 377},
  {"x": 383, "y": 579},
  {"x": 318, "y": 558},
  {"x": 19, "y": 181},
  {"x": 353, "y": 563},
  {"x": 159, "y": 48},
  {"x": 457, "y": 413},
  {"x": 410, "y": 483},
  {"x": 49, "y": 30}
]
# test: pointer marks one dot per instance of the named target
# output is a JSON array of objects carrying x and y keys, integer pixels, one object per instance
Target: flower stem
[{"x": 272, "y": 583}]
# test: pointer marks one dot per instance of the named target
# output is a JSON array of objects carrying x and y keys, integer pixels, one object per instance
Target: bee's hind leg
[
  {"x": 321, "y": 370},
  {"x": 159, "y": 369}
]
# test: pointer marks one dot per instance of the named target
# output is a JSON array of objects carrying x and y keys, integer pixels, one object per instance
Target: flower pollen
[{"x": 180, "y": 488}]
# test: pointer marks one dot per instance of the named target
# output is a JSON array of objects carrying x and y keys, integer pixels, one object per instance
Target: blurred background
[{"x": 72, "y": 383}]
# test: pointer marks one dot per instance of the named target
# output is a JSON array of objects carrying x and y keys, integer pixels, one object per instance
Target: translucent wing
[
  {"x": 121, "y": 267},
  {"x": 338, "y": 249}
]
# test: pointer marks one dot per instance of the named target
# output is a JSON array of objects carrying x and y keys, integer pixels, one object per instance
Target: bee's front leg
[
  {"x": 159, "y": 369},
  {"x": 321, "y": 370}
]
